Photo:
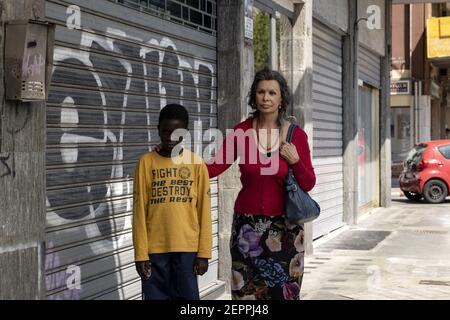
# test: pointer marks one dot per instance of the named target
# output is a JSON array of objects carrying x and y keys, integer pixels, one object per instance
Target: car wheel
[
  {"x": 412, "y": 196},
  {"x": 435, "y": 191}
]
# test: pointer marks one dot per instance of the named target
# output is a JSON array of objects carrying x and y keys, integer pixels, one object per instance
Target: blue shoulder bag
[{"x": 300, "y": 207}]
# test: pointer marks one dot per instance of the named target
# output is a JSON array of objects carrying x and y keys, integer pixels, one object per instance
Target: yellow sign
[{"x": 438, "y": 37}]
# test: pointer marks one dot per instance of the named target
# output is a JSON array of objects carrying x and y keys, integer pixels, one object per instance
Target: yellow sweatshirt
[{"x": 171, "y": 206}]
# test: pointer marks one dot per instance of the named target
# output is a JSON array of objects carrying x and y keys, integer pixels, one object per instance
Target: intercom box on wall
[{"x": 28, "y": 59}]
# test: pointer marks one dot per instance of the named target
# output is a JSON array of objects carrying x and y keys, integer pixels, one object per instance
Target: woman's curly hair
[{"x": 268, "y": 74}]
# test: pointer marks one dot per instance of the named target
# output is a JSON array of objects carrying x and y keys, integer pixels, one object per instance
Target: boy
[{"x": 171, "y": 215}]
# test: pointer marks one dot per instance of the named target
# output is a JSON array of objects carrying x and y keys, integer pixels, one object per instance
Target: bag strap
[
  {"x": 289, "y": 140},
  {"x": 290, "y": 132}
]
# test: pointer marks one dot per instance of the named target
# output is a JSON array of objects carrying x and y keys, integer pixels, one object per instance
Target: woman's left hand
[{"x": 289, "y": 152}]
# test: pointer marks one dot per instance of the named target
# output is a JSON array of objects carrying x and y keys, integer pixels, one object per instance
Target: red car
[{"x": 426, "y": 172}]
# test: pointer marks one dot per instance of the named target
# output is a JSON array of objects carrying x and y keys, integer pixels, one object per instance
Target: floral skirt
[{"x": 267, "y": 258}]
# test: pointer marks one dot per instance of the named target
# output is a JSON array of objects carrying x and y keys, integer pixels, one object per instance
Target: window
[
  {"x": 445, "y": 151},
  {"x": 415, "y": 155},
  {"x": 266, "y": 39},
  {"x": 198, "y": 14},
  {"x": 272, "y": 37}
]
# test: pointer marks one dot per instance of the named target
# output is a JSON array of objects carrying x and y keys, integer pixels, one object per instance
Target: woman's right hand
[{"x": 144, "y": 269}]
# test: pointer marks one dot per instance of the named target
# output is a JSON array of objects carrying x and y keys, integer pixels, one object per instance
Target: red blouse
[{"x": 263, "y": 178}]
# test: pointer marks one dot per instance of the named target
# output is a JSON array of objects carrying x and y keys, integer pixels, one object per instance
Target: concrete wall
[
  {"x": 350, "y": 121},
  {"x": 385, "y": 110},
  {"x": 22, "y": 179},
  {"x": 288, "y": 4},
  {"x": 234, "y": 77},
  {"x": 400, "y": 38},
  {"x": 424, "y": 115},
  {"x": 302, "y": 79},
  {"x": 335, "y": 13},
  {"x": 418, "y": 42},
  {"x": 372, "y": 39}
]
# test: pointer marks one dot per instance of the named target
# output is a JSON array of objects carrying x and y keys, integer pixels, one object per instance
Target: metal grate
[
  {"x": 327, "y": 122},
  {"x": 102, "y": 115},
  {"x": 197, "y": 14}
]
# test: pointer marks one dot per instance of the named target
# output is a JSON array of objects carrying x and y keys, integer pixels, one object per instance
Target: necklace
[{"x": 267, "y": 149}]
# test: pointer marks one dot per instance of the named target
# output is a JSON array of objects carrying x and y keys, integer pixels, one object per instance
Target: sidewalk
[{"x": 393, "y": 253}]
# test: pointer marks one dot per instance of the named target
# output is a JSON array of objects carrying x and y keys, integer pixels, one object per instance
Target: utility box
[{"x": 28, "y": 59}]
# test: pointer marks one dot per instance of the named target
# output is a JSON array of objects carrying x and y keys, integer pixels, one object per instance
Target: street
[{"x": 396, "y": 253}]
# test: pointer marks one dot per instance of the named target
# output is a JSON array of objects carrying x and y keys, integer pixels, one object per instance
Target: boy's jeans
[{"x": 172, "y": 277}]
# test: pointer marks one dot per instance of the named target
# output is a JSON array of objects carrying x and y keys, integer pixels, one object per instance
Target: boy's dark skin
[{"x": 165, "y": 129}]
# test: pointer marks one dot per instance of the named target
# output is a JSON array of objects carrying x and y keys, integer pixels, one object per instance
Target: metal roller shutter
[
  {"x": 369, "y": 67},
  {"x": 328, "y": 128},
  {"x": 110, "y": 79}
]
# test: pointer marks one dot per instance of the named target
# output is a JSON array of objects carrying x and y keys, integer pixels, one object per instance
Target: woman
[{"x": 267, "y": 252}]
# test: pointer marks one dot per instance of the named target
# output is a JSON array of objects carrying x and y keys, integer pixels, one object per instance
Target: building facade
[
  {"x": 419, "y": 99},
  {"x": 116, "y": 63}
]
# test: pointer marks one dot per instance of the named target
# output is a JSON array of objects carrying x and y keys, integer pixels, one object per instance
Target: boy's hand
[
  {"x": 144, "y": 269},
  {"x": 200, "y": 266}
]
